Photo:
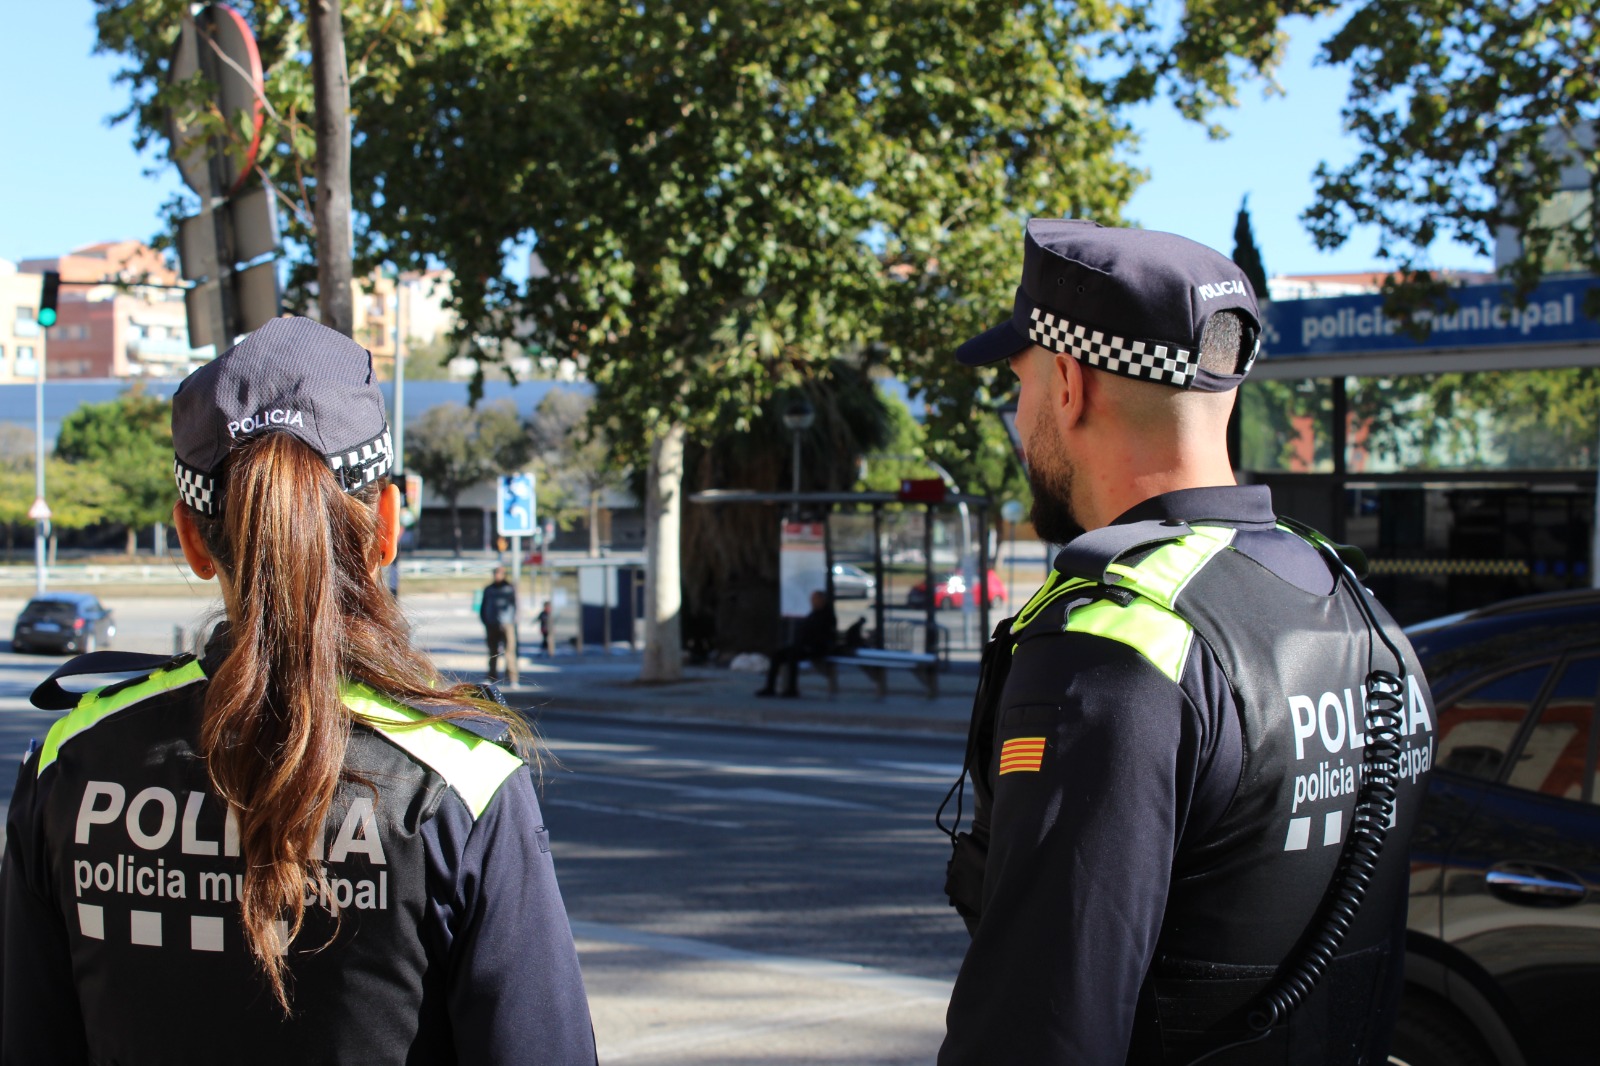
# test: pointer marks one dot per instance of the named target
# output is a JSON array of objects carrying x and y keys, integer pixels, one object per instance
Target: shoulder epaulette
[
  {"x": 457, "y": 749},
  {"x": 1092, "y": 591},
  {"x": 94, "y": 707}
]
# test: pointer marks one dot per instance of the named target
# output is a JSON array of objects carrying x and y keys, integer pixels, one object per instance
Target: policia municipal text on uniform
[
  {"x": 1198, "y": 750},
  {"x": 303, "y": 846}
]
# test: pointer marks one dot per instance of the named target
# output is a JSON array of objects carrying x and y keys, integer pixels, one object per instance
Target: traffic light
[{"x": 47, "y": 298}]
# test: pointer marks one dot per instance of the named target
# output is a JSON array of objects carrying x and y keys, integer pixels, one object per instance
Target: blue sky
[{"x": 72, "y": 180}]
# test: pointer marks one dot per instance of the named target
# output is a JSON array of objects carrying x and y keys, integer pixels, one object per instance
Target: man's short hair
[{"x": 1222, "y": 343}]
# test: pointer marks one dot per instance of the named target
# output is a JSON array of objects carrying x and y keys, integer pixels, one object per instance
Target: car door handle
[{"x": 1535, "y": 884}]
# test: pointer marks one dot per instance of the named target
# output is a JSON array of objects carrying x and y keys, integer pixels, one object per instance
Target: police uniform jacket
[
  {"x": 122, "y": 938},
  {"x": 1169, "y": 783}
]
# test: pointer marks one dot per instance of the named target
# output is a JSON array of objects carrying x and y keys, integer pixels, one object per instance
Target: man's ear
[
  {"x": 1068, "y": 399},
  {"x": 194, "y": 547}
]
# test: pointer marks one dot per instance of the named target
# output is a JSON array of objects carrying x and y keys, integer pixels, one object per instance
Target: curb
[{"x": 552, "y": 705}]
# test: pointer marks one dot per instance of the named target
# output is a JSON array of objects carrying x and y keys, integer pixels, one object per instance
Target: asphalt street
[{"x": 739, "y": 894}]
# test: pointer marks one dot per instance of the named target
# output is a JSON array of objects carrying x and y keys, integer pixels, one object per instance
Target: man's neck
[{"x": 1112, "y": 492}]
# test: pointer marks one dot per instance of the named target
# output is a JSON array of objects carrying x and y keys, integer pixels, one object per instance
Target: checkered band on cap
[
  {"x": 363, "y": 464},
  {"x": 354, "y": 470},
  {"x": 1146, "y": 360},
  {"x": 198, "y": 490}
]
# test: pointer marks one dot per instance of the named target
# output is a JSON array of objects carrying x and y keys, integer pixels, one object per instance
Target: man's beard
[{"x": 1050, "y": 476}]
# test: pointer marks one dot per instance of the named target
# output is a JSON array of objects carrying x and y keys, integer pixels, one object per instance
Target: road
[
  {"x": 813, "y": 858},
  {"x": 738, "y": 895}
]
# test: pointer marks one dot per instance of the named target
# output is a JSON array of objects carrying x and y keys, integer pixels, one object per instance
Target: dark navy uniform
[
  {"x": 122, "y": 939},
  {"x": 1170, "y": 780}
]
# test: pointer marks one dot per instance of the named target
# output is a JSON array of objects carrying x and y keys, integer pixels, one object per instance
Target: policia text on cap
[{"x": 1185, "y": 747}]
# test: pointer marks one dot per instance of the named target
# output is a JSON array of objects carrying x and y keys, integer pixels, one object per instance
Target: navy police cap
[
  {"x": 1130, "y": 301},
  {"x": 294, "y": 376}
]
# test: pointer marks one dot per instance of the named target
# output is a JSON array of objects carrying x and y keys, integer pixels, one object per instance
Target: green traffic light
[{"x": 47, "y": 317}]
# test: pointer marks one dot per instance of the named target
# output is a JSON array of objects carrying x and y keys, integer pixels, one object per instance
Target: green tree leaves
[
  {"x": 1468, "y": 112},
  {"x": 128, "y": 442},
  {"x": 455, "y": 447}
]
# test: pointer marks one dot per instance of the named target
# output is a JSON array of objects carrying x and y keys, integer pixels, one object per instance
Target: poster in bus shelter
[{"x": 802, "y": 567}]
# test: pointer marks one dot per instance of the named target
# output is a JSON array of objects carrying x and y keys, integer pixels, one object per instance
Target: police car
[{"x": 1503, "y": 939}]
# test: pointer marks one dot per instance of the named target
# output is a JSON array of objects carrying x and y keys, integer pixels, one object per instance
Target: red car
[{"x": 951, "y": 591}]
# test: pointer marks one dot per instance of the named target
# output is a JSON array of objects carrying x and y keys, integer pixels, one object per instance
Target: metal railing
[{"x": 174, "y": 571}]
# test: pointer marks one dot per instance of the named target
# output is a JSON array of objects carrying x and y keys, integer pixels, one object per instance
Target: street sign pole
[{"x": 40, "y": 512}]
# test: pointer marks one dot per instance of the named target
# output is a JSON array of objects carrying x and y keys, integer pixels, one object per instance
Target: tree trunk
[
  {"x": 663, "y": 587},
  {"x": 331, "y": 95},
  {"x": 594, "y": 523},
  {"x": 133, "y": 541},
  {"x": 455, "y": 523}
]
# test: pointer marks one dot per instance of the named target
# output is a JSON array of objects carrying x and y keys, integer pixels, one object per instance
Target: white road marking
[
  {"x": 721, "y": 795},
  {"x": 932, "y": 782},
  {"x": 658, "y": 816},
  {"x": 849, "y": 973},
  {"x": 946, "y": 770},
  {"x": 701, "y": 1036}
]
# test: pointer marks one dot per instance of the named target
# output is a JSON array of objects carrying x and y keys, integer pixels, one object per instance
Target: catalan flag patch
[{"x": 1021, "y": 753}]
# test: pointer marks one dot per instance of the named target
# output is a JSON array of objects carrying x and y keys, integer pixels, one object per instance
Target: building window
[{"x": 27, "y": 322}]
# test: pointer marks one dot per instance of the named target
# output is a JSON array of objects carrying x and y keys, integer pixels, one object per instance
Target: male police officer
[{"x": 1170, "y": 775}]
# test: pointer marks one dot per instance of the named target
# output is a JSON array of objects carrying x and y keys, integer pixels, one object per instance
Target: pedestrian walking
[
  {"x": 304, "y": 845},
  {"x": 497, "y": 609},
  {"x": 1191, "y": 825}
]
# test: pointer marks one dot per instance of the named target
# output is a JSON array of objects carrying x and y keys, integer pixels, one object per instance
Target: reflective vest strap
[
  {"x": 1055, "y": 586},
  {"x": 473, "y": 766},
  {"x": 93, "y": 708},
  {"x": 1164, "y": 573},
  {"x": 1148, "y": 628}
]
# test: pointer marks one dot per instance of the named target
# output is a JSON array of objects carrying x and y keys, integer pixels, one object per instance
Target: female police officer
[{"x": 302, "y": 846}]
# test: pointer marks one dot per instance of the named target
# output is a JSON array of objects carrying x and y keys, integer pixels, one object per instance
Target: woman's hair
[{"x": 308, "y": 611}]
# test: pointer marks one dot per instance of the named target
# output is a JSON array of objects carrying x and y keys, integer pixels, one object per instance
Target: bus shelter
[{"x": 932, "y": 496}]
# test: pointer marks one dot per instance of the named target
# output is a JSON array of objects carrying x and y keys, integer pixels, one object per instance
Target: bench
[{"x": 876, "y": 664}]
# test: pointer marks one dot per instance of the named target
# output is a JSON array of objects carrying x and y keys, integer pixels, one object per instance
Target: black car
[
  {"x": 63, "y": 622},
  {"x": 1503, "y": 938}
]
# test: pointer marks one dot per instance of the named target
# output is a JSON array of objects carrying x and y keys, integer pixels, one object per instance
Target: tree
[
  {"x": 729, "y": 196},
  {"x": 730, "y": 558},
  {"x": 1245, "y": 252},
  {"x": 381, "y": 35},
  {"x": 331, "y": 97},
  {"x": 573, "y": 460},
  {"x": 1468, "y": 113},
  {"x": 129, "y": 442},
  {"x": 455, "y": 447}
]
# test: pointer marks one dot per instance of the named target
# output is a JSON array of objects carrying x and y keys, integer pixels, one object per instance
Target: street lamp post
[
  {"x": 1011, "y": 511},
  {"x": 799, "y": 417},
  {"x": 40, "y": 512}
]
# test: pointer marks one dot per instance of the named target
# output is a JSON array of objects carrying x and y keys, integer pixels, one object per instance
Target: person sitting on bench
[{"x": 815, "y": 640}]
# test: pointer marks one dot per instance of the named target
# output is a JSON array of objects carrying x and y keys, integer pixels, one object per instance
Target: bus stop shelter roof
[{"x": 830, "y": 499}]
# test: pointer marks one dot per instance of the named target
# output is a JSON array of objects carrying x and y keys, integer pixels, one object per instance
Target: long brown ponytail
[{"x": 306, "y": 612}]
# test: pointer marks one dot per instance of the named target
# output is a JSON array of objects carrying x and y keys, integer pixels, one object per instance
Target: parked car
[
  {"x": 63, "y": 622},
  {"x": 850, "y": 582},
  {"x": 951, "y": 591},
  {"x": 1503, "y": 939}
]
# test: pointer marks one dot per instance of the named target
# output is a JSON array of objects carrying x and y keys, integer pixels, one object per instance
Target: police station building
[{"x": 1457, "y": 504}]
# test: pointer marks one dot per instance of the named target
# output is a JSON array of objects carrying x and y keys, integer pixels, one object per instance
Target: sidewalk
[{"x": 595, "y": 685}]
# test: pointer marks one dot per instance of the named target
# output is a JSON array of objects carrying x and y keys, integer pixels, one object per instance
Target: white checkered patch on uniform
[{"x": 1146, "y": 360}]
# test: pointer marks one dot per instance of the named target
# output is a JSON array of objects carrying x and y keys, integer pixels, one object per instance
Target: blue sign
[
  {"x": 1483, "y": 316},
  {"x": 514, "y": 506}
]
